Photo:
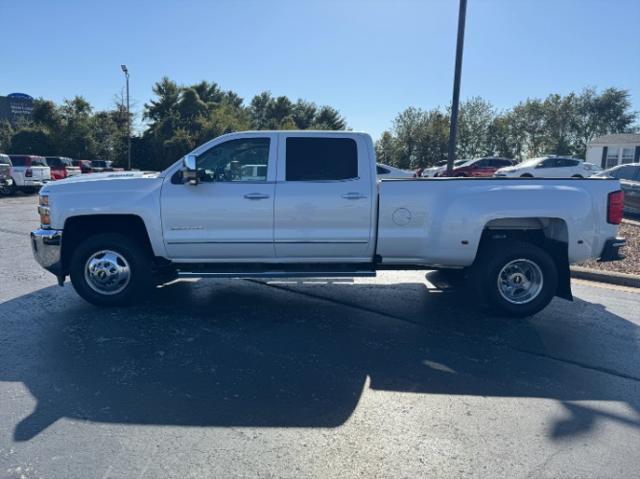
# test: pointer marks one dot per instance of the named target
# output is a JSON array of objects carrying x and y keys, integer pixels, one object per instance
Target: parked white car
[
  {"x": 386, "y": 171},
  {"x": 550, "y": 167},
  {"x": 320, "y": 212}
]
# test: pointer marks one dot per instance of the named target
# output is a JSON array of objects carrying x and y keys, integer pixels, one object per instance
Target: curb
[
  {"x": 621, "y": 279},
  {"x": 631, "y": 222}
]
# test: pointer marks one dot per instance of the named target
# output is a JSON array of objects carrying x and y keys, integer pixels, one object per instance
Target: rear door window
[
  {"x": 548, "y": 163},
  {"x": 567, "y": 163},
  {"x": 321, "y": 159}
]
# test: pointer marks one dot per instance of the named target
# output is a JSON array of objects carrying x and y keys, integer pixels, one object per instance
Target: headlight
[{"x": 44, "y": 211}]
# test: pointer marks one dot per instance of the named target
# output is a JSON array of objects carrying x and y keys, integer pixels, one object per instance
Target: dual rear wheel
[{"x": 514, "y": 278}]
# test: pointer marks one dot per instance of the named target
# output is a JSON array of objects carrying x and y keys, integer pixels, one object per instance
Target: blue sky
[{"x": 370, "y": 59}]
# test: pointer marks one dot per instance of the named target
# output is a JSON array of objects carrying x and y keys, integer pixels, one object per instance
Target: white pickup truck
[{"x": 310, "y": 205}]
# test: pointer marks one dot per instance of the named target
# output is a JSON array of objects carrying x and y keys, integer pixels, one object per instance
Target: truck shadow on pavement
[{"x": 244, "y": 353}]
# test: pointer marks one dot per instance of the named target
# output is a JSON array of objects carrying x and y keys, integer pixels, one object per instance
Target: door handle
[
  {"x": 256, "y": 196},
  {"x": 354, "y": 196}
]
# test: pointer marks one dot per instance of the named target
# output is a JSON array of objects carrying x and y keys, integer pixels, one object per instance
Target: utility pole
[
  {"x": 126, "y": 74},
  {"x": 451, "y": 157}
]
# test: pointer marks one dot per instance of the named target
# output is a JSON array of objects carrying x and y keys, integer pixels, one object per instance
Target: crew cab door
[
  {"x": 228, "y": 215},
  {"x": 325, "y": 198}
]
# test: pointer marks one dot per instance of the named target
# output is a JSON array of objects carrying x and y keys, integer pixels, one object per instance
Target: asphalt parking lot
[{"x": 397, "y": 376}]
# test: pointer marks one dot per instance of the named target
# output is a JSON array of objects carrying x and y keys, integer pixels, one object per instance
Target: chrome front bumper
[{"x": 47, "y": 246}]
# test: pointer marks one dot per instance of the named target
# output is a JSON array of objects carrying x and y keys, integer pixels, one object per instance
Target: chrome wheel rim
[
  {"x": 107, "y": 272},
  {"x": 520, "y": 281}
]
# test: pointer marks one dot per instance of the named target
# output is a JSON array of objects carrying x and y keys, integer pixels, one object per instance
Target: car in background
[
  {"x": 6, "y": 182},
  {"x": 61, "y": 167},
  {"x": 480, "y": 167},
  {"x": 550, "y": 167},
  {"x": 84, "y": 165},
  {"x": 29, "y": 172},
  {"x": 386, "y": 171},
  {"x": 253, "y": 173},
  {"x": 100, "y": 166},
  {"x": 440, "y": 168},
  {"x": 629, "y": 176}
]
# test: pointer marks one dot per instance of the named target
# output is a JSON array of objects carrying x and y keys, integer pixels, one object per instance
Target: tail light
[
  {"x": 615, "y": 205},
  {"x": 28, "y": 173}
]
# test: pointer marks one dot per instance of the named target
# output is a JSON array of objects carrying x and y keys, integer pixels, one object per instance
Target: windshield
[
  {"x": 38, "y": 161},
  {"x": 465, "y": 162}
]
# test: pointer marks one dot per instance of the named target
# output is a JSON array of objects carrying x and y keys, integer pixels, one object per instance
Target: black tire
[
  {"x": 139, "y": 265},
  {"x": 461, "y": 175},
  {"x": 577, "y": 176},
  {"x": 496, "y": 256},
  {"x": 526, "y": 175},
  {"x": 7, "y": 190}
]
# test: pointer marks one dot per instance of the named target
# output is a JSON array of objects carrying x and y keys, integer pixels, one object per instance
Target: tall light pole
[
  {"x": 456, "y": 88},
  {"x": 126, "y": 74}
]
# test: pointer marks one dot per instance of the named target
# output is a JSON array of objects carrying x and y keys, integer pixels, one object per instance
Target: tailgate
[
  {"x": 40, "y": 173},
  {"x": 73, "y": 170}
]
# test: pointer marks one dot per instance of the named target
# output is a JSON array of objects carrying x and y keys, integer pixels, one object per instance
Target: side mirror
[{"x": 190, "y": 169}]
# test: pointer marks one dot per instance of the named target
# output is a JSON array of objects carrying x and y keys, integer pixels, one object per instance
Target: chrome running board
[{"x": 275, "y": 274}]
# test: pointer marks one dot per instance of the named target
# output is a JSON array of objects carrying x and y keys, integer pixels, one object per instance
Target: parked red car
[
  {"x": 481, "y": 167},
  {"x": 84, "y": 165},
  {"x": 61, "y": 167}
]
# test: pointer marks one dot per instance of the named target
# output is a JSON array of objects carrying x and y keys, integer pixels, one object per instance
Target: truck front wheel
[
  {"x": 111, "y": 270},
  {"x": 516, "y": 278}
]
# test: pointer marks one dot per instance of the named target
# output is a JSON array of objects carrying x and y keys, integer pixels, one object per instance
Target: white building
[{"x": 612, "y": 150}]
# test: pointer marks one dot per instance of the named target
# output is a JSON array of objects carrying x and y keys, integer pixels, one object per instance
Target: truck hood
[
  {"x": 111, "y": 183},
  {"x": 108, "y": 175}
]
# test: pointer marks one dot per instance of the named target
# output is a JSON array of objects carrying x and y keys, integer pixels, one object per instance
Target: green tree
[
  {"x": 559, "y": 113},
  {"x": 601, "y": 114},
  {"x": 304, "y": 114},
  {"x": 6, "y": 133},
  {"x": 417, "y": 139},
  {"x": 34, "y": 140},
  {"x": 77, "y": 135},
  {"x": 386, "y": 149},
  {"x": 328, "y": 118},
  {"x": 476, "y": 117}
]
